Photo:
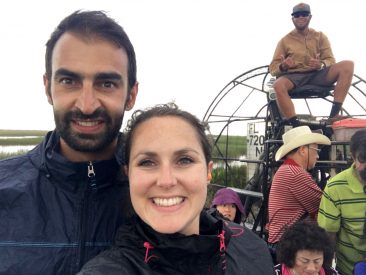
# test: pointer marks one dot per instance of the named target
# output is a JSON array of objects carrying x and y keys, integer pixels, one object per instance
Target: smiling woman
[{"x": 169, "y": 167}]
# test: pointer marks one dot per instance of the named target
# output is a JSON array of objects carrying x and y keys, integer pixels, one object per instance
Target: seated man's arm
[
  {"x": 326, "y": 53},
  {"x": 274, "y": 66}
]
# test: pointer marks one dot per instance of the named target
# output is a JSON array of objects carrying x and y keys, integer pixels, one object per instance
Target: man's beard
[
  {"x": 85, "y": 142},
  {"x": 362, "y": 174}
]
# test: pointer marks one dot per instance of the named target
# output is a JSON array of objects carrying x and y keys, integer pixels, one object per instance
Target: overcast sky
[{"x": 187, "y": 50}]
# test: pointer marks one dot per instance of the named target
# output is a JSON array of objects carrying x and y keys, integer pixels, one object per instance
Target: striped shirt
[
  {"x": 293, "y": 195},
  {"x": 342, "y": 211}
]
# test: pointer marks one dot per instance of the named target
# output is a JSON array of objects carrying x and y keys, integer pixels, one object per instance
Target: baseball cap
[{"x": 302, "y": 7}]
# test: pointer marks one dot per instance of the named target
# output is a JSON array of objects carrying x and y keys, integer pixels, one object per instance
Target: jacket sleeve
[
  {"x": 274, "y": 66},
  {"x": 326, "y": 54}
]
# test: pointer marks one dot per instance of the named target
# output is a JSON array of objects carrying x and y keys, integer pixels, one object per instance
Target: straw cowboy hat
[{"x": 297, "y": 137}]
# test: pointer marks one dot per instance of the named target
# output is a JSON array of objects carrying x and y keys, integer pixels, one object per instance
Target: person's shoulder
[
  {"x": 316, "y": 33},
  {"x": 13, "y": 165},
  {"x": 288, "y": 35},
  {"x": 330, "y": 271},
  {"x": 340, "y": 179},
  {"x": 243, "y": 236},
  {"x": 248, "y": 251}
]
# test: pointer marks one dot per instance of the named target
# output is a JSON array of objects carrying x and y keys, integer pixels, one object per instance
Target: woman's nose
[{"x": 166, "y": 177}]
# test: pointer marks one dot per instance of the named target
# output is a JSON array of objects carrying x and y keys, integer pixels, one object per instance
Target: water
[
  {"x": 15, "y": 148},
  {"x": 9, "y": 149},
  {"x": 220, "y": 164},
  {"x": 17, "y": 137}
]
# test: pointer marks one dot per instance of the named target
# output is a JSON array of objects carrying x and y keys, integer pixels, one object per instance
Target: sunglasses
[{"x": 301, "y": 14}]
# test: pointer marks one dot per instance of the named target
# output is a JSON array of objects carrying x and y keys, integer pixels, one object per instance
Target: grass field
[
  {"x": 21, "y": 133},
  {"x": 31, "y": 137},
  {"x": 237, "y": 146}
]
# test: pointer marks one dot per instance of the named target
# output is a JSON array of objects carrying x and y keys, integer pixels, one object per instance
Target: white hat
[{"x": 297, "y": 137}]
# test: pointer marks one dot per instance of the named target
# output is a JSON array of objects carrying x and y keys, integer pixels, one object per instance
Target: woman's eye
[
  {"x": 146, "y": 162},
  {"x": 185, "y": 160}
]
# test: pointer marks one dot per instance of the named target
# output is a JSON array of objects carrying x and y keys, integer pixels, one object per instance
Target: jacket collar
[
  {"x": 176, "y": 251},
  {"x": 59, "y": 170}
]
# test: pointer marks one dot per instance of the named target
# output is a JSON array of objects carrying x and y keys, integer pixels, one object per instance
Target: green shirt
[{"x": 342, "y": 211}]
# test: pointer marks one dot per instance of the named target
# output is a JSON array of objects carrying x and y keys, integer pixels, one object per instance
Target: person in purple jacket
[{"x": 228, "y": 203}]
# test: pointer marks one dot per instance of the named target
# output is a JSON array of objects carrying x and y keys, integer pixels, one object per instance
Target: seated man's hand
[
  {"x": 316, "y": 64},
  {"x": 286, "y": 63}
]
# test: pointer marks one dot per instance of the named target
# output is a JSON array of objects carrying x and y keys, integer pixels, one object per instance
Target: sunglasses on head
[{"x": 301, "y": 14}]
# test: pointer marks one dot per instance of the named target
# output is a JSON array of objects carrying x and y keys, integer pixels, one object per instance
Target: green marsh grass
[
  {"x": 236, "y": 175},
  {"x": 31, "y": 137}
]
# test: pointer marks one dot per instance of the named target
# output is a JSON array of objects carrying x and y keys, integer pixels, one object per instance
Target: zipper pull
[
  {"x": 91, "y": 176},
  {"x": 222, "y": 241},
  {"x": 222, "y": 250}
]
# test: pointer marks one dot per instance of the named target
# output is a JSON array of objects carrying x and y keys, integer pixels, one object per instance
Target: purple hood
[{"x": 227, "y": 196}]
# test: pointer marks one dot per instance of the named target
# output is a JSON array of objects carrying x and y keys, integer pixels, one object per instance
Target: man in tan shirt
[{"x": 304, "y": 56}]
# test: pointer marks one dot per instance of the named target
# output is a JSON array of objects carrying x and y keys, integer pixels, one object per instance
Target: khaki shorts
[{"x": 312, "y": 78}]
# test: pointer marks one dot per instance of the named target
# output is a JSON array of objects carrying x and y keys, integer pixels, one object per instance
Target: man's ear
[
  {"x": 301, "y": 150},
  {"x": 47, "y": 89},
  {"x": 132, "y": 97}
]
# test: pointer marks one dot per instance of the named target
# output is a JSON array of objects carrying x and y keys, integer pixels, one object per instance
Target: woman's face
[
  {"x": 227, "y": 210},
  {"x": 308, "y": 262},
  {"x": 168, "y": 175}
]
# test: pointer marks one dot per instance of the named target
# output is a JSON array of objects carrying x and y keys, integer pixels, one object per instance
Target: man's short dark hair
[{"x": 358, "y": 145}]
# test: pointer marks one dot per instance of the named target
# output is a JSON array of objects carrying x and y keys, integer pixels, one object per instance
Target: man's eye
[
  {"x": 108, "y": 84},
  {"x": 66, "y": 81}
]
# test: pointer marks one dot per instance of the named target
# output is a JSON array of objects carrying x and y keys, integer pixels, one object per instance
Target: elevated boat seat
[{"x": 311, "y": 91}]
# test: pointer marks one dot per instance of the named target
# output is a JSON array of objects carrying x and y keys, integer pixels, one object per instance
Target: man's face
[
  {"x": 312, "y": 156},
  {"x": 301, "y": 20},
  {"x": 89, "y": 93}
]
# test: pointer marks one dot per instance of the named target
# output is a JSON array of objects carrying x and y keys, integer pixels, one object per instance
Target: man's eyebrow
[
  {"x": 109, "y": 75},
  {"x": 65, "y": 72}
]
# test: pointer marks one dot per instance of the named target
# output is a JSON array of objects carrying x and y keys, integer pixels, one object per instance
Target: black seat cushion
[{"x": 311, "y": 91}]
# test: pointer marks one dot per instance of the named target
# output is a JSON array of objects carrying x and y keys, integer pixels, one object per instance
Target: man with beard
[
  {"x": 61, "y": 203},
  {"x": 304, "y": 56},
  {"x": 343, "y": 208}
]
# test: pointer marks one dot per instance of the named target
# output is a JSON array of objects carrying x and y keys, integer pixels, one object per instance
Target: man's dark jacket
[{"x": 55, "y": 214}]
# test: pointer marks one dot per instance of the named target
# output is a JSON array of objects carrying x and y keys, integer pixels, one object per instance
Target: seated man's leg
[
  {"x": 342, "y": 73},
  {"x": 282, "y": 86}
]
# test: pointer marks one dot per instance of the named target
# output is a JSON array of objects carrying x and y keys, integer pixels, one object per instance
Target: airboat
[{"x": 247, "y": 106}]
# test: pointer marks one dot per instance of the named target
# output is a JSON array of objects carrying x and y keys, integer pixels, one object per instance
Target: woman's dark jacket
[
  {"x": 54, "y": 216},
  {"x": 221, "y": 248}
]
